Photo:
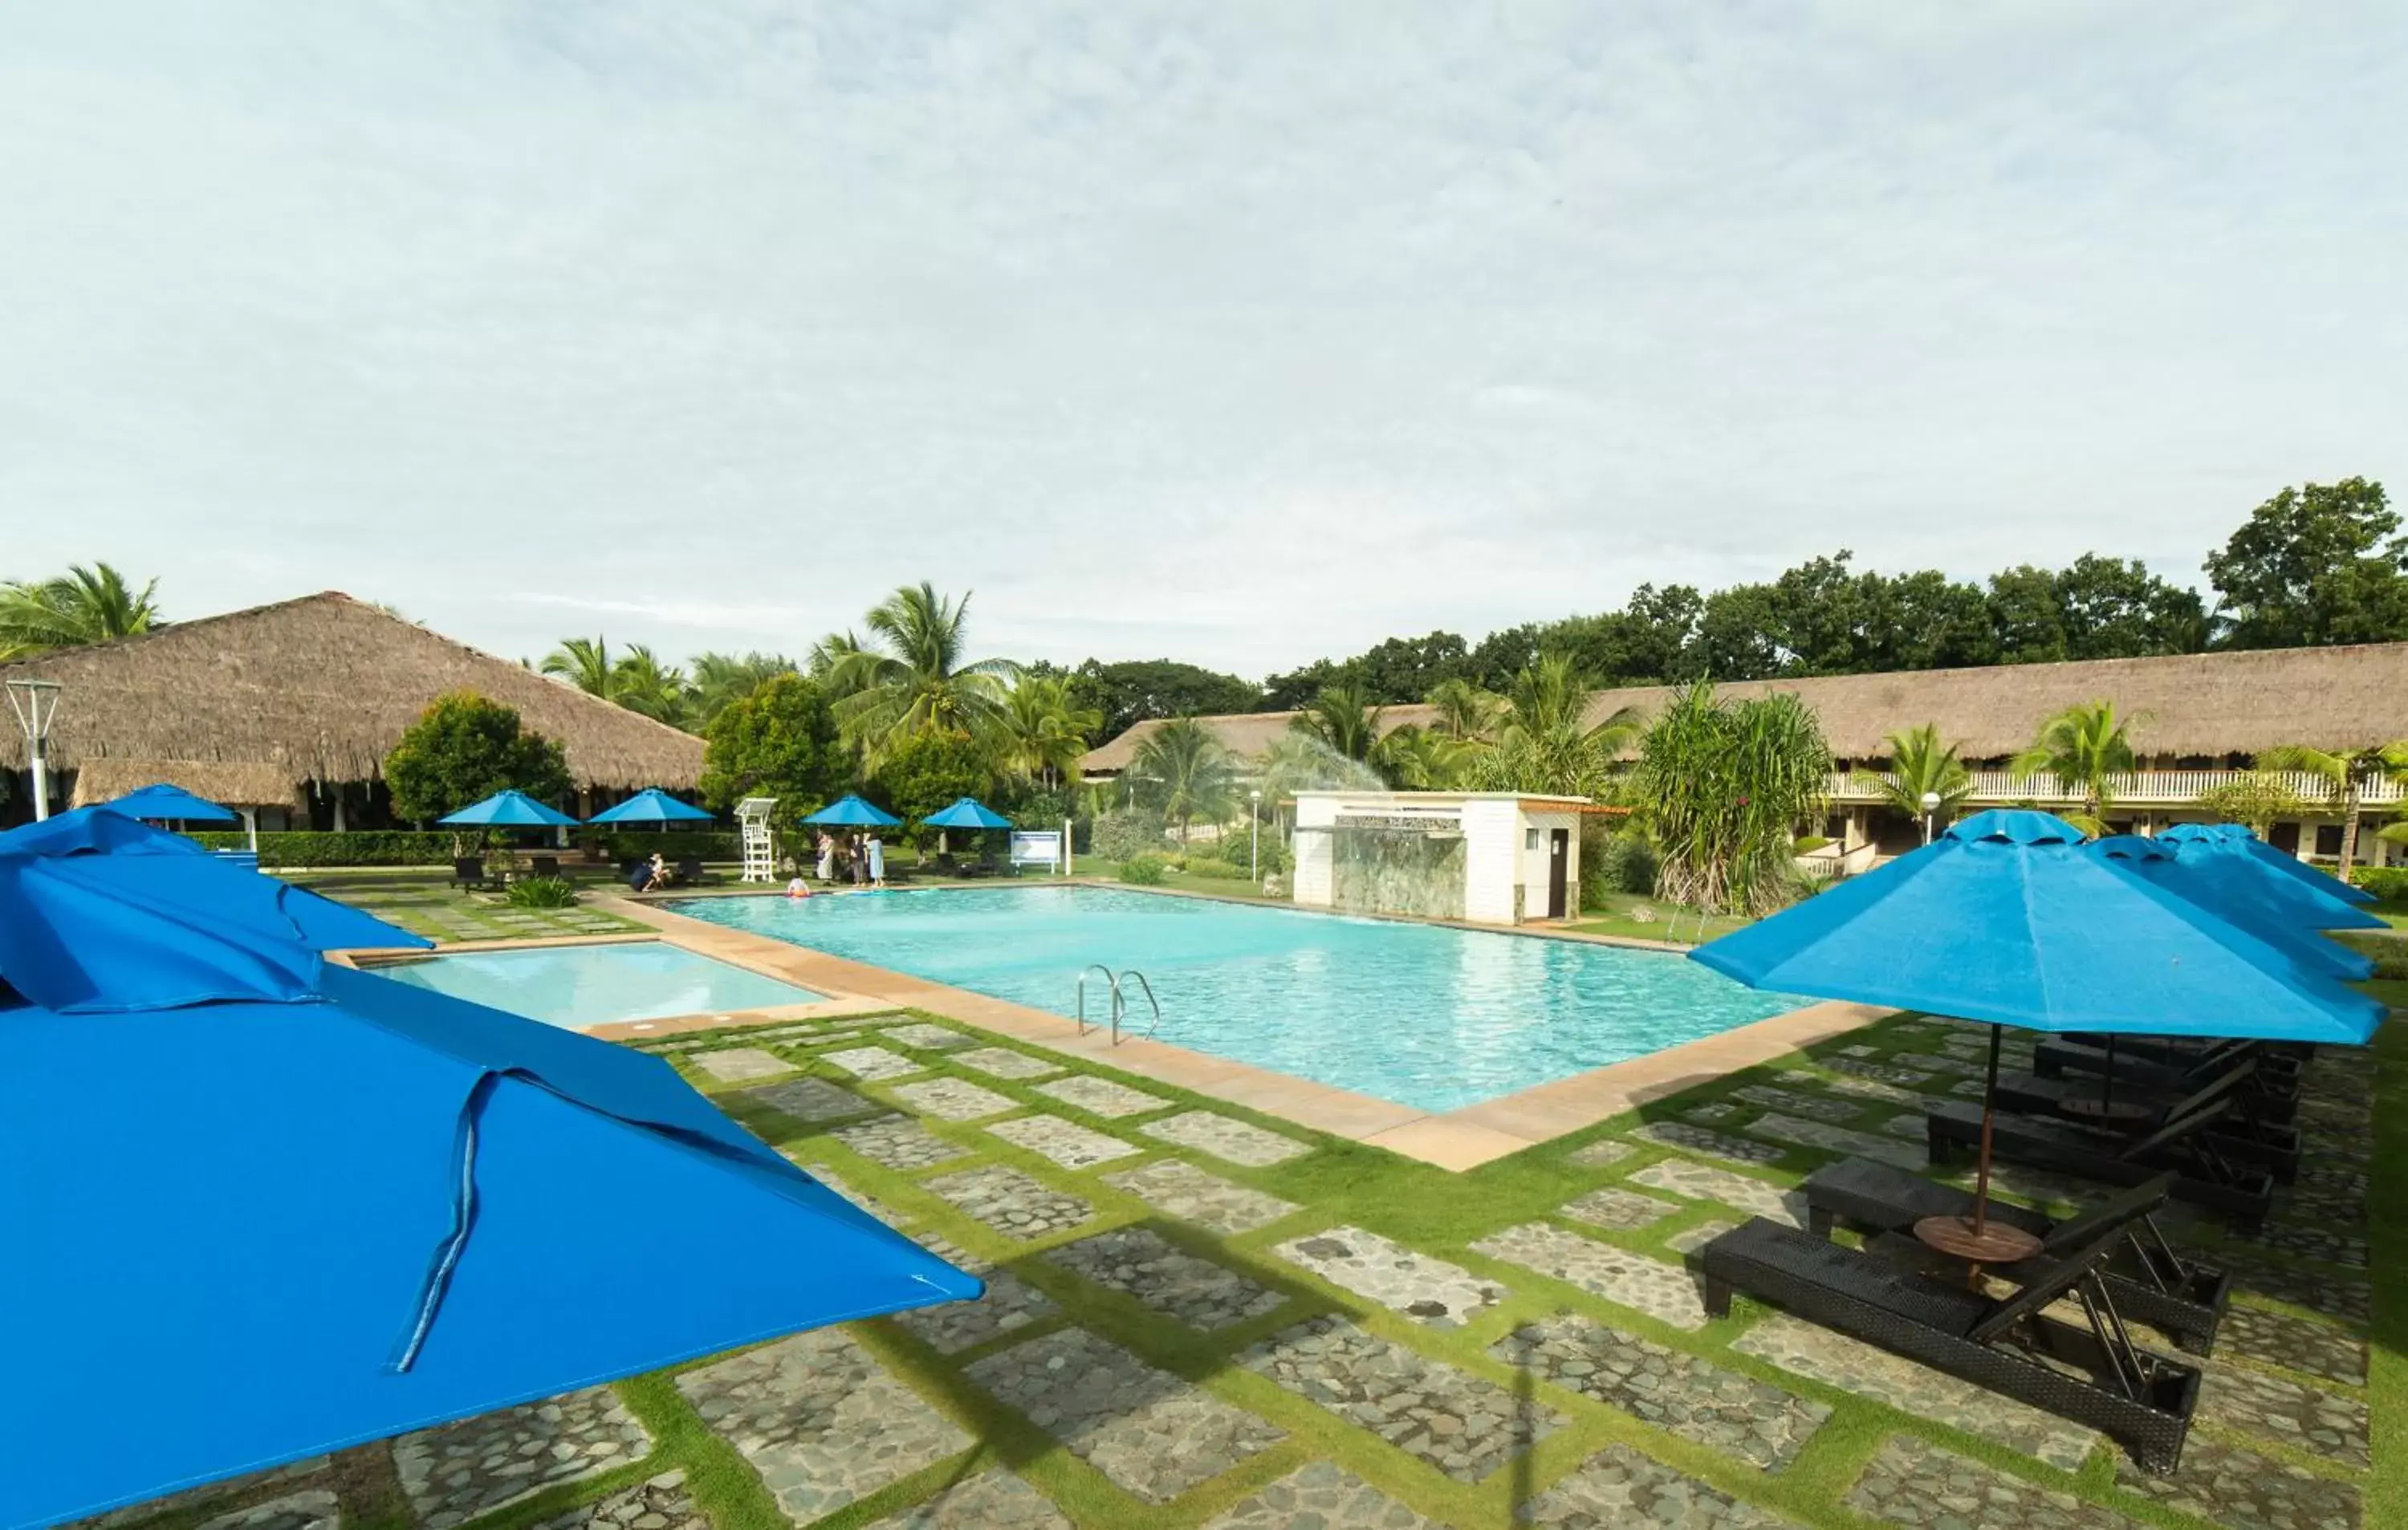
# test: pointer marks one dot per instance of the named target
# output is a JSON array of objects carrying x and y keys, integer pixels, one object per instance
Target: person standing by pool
[
  {"x": 877, "y": 853},
  {"x": 827, "y": 856}
]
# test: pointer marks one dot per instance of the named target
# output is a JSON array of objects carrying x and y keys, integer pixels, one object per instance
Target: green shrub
[
  {"x": 2387, "y": 882},
  {"x": 1235, "y": 850},
  {"x": 1807, "y": 844},
  {"x": 1218, "y": 871},
  {"x": 542, "y": 892},
  {"x": 1119, "y": 836},
  {"x": 1625, "y": 863},
  {"x": 301, "y": 848},
  {"x": 1145, "y": 870},
  {"x": 673, "y": 845}
]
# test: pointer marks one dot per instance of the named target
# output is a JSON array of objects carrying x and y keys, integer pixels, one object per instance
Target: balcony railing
[{"x": 2139, "y": 788}]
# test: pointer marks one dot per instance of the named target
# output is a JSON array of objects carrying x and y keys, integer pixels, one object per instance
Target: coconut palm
[
  {"x": 2343, "y": 773},
  {"x": 641, "y": 683},
  {"x": 721, "y": 680},
  {"x": 1722, "y": 789},
  {"x": 2082, "y": 747},
  {"x": 1343, "y": 720},
  {"x": 830, "y": 653},
  {"x": 1544, "y": 740},
  {"x": 1043, "y": 730},
  {"x": 1186, "y": 772},
  {"x": 1464, "y": 709},
  {"x": 1920, "y": 765},
  {"x": 1419, "y": 759},
  {"x": 911, "y": 677},
  {"x": 584, "y": 663},
  {"x": 85, "y": 605}
]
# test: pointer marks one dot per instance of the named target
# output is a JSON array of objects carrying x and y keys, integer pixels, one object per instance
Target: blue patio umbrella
[
  {"x": 651, "y": 806},
  {"x": 2284, "y": 913},
  {"x": 508, "y": 809},
  {"x": 967, "y": 813},
  {"x": 353, "y": 1209},
  {"x": 165, "y": 804},
  {"x": 2239, "y": 835},
  {"x": 850, "y": 811}
]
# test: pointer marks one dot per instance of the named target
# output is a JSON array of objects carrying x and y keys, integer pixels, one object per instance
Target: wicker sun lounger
[
  {"x": 2150, "y": 1281},
  {"x": 2203, "y": 1174},
  {"x": 2142, "y": 1401},
  {"x": 2246, "y": 1137},
  {"x": 2153, "y": 1084},
  {"x": 2191, "y": 1062}
]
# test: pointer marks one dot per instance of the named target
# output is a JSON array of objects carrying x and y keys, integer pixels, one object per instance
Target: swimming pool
[
  {"x": 579, "y": 987},
  {"x": 1422, "y": 1015}
]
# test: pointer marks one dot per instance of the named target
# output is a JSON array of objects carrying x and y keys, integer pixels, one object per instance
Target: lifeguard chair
[{"x": 760, "y": 845}]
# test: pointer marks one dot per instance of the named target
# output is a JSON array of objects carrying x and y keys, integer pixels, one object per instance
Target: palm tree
[
  {"x": 2343, "y": 772},
  {"x": 2082, "y": 747},
  {"x": 641, "y": 683},
  {"x": 85, "y": 605},
  {"x": 1544, "y": 740},
  {"x": 1186, "y": 772},
  {"x": 723, "y": 679},
  {"x": 1722, "y": 789},
  {"x": 1464, "y": 709},
  {"x": 1043, "y": 730},
  {"x": 1419, "y": 759},
  {"x": 829, "y": 654},
  {"x": 584, "y": 663},
  {"x": 1920, "y": 765},
  {"x": 912, "y": 678},
  {"x": 1343, "y": 720}
]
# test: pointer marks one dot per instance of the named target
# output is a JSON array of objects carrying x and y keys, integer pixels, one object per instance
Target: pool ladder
[{"x": 1112, "y": 981}]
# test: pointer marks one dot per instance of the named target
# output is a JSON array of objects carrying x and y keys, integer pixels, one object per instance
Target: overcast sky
[{"x": 1243, "y": 333}]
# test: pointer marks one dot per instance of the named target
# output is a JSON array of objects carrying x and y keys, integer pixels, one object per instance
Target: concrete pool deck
[{"x": 1456, "y": 1140}]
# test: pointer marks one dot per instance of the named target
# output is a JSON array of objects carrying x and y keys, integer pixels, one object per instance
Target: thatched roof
[
  {"x": 316, "y": 689},
  {"x": 2205, "y": 703},
  {"x": 1247, "y": 734},
  {"x": 229, "y": 783}
]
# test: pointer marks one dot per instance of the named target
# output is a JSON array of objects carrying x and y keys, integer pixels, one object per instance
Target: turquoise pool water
[
  {"x": 577, "y": 986},
  {"x": 1428, "y": 1016}
]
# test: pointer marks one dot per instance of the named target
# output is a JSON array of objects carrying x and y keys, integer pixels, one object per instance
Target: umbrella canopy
[
  {"x": 2284, "y": 913},
  {"x": 344, "y": 1262},
  {"x": 163, "y": 802},
  {"x": 2238, "y": 835},
  {"x": 850, "y": 811},
  {"x": 652, "y": 806},
  {"x": 967, "y": 813},
  {"x": 509, "y": 810},
  {"x": 2005, "y": 918}
]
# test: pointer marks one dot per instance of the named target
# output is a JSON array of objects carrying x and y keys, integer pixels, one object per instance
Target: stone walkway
[{"x": 455, "y": 1473}]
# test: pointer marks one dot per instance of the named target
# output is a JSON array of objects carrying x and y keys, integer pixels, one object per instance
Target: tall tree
[
  {"x": 88, "y": 604},
  {"x": 1343, "y": 718},
  {"x": 1137, "y": 691},
  {"x": 2344, "y": 773},
  {"x": 1920, "y": 765},
  {"x": 1465, "y": 712},
  {"x": 1544, "y": 740},
  {"x": 464, "y": 749},
  {"x": 584, "y": 663},
  {"x": 1185, "y": 772},
  {"x": 2115, "y": 609},
  {"x": 781, "y": 741},
  {"x": 641, "y": 683},
  {"x": 2082, "y": 748},
  {"x": 1723, "y": 789},
  {"x": 1043, "y": 730},
  {"x": 2319, "y": 564},
  {"x": 721, "y": 679},
  {"x": 911, "y": 676}
]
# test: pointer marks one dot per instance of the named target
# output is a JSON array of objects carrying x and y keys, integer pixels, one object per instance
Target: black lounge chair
[
  {"x": 2203, "y": 1175},
  {"x": 688, "y": 871},
  {"x": 2246, "y": 1136},
  {"x": 469, "y": 871},
  {"x": 2141, "y": 1400},
  {"x": 2194, "y": 1059},
  {"x": 2064, "y": 1071},
  {"x": 2148, "y": 1279},
  {"x": 543, "y": 866}
]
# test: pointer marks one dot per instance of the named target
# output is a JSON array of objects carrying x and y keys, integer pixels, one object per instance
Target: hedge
[
  {"x": 300, "y": 848},
  {"x": 2387, "y": 882}
]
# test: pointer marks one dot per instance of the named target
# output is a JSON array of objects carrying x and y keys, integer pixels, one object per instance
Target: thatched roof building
[{"x": 247, "y": 708}]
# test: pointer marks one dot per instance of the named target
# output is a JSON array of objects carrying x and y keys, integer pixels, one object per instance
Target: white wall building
[{"x": 1484, "y": 857}]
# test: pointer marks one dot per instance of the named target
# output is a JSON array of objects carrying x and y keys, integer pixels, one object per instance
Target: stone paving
[
  {"x": 1680, "y": 1134},
  {"x": 735, "y": 1064},
  {"x": 1009, "y": 1304},
  {"x": 658, "y": 1503},
  {"x": 1238, "y": 1141},
  {"x": 1711, "y": 1114},
  {"x": 1605, "y": 1150},
  {"x": 923, "y": 1036},
  {"x": 1004, "y": 1063},
  {"x": 1151, "y": 1434},
  {"x": 2278, "y": 1339},
  {"x": 1464, "y": 1425},
  {"x": 311, "y": 1509},
  {"x": 1065, "y": 1142},
  {"x": 1691, "y": 1239},
  {"x": 955, "y": 1099},
  {"x": 1798, "y": 1103},
  {"x": 1913, "y": 1483},
  {"x": 2319, "y": 1422},
  {"x": 1011, "y": 1203},
  {"x": 808, "y": 1100},
  {"x": 1694, "y": 1398},
  {"x": 1852, "y": 1067},
  {"x": 2241, "y": 1490},
  {"x": 1622, "y": 1210},
  {"x": 992, "y": 1500},
  {"x": 1428, "y": 1290},
  {"x": 207, "y": 1493},
  {"x": 1320, "y": 1496},
  {"x": 1178, "y": 1189},
  {"x": 1140, "y": 1263},
  {"x": 1704, "y": 1182},
  {"x": 868, "y": 1203},
  {"x": 1666, "y": 1293},
  {"x": 1873, "y": 1089},
  {"x": 899, "y": 1142},
  {"x": 2331, "y": 1295},
  {"x": 873, "y": 1063},
  {"x": 458, "y": 1471},
  {"x": 1838, "y": 1139},
  {"x": 1101, "y": 1097},
  {"x": 1619, "y": 1487},
  {"x": 821, "y": 1421}
]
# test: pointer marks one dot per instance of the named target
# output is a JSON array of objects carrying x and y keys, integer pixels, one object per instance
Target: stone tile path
[
  {"x": 899, "y": 1142},
  {"x": 458, "y": 1471},
  {"x": 1704, "y": 1182},
  {"x": 2280, "y": 1339},
  {"x": 874, "y": 1062},
  {"x": 1852, "y": 1067},
  {"x": 2305, "y": 1418},
  {"x": 1320, "y": 1496},
  {"x": 1830, "y": 1139},
  {"x": 1429, "y": 1290},
  {"x": 1065, "y": 1142},
  {"x": 1873, "y": 1089},
  {"x": 1181, "y": 1190},
  {"x": 311, "y": 1509},
  {"x": 1678, "y": 1134},
  {"x": 868, "y": 1203},
  {"x": 1663, "y": 1292},
  {"x": 1011, "y": 1203},
  {"x": 1819, "y": 1354},
  {"x": 1622, "y": 1210},
  {"x": 1712, "y": 1114},
  {"x": 1619, "y": 1487},
  {"x": 1102, "y": 1097},
  {"x": 206, "y": 1493},
  {"x": 1798, "y": 1103},
  {"x": 954, "y": 1099},
  {"x": 2331, "y": 1295},
  {"x": 734, "y": 1065},
  {"x": 1599, "y": 1154},
  {"x": 1238, "y": 1141},
  {"x": 659, "y": 1503},
  {"x": 923, "y": 1036},
  {"x": 992, "y": 1500},
  {"x": 1004, "y": 1063},
  {"x": 808, "y": 1100},
  {"x": 2243, "y": 1490},
  {"x": 819, "y": 1420},
  {"x": 1140, "y": 1263},
  {"x": 1913, "y": 1483},
  {"x": 1009, "y": 1304},
  {"x": 1735, "y": 1414},
  {"x": 1691, "y": 1239},
  {"x": 1151, "y": 1434},
  {"x": 1464, "y": 1425}
]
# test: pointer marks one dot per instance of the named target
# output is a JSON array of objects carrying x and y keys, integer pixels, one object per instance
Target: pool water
[
  {"x": 1426, "y": 1016},
  {"x": 578, "y": 987}
]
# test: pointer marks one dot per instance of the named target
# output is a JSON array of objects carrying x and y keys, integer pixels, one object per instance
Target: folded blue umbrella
[
  {"x": 651, "y": 806},
  {"x": 508, "y": 809},
  {"x": 850, "y": 811},
  {"x": 2239, "y": 835},
  {"x": 967, "y": 813},
  {"x": 163, "y": 802},
  {"x": 2284, "y": 913}
]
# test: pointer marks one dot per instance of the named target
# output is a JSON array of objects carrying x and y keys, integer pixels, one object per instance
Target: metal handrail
[
  {"x": 1111, "y": 982},
  {"x": 1120, "y": 1003}
]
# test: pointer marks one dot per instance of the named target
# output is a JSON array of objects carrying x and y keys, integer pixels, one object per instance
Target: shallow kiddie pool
[{"x": 580, "y": 987}]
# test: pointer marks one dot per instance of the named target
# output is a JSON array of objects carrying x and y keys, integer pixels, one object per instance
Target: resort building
[
  {"x": 287, "y": 712},
  {"x": 2197, "y": 721},
  {"x": 1482, "y": 857}
]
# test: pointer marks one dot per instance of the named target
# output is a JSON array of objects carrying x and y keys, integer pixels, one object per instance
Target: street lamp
[
  {"x": 1255, "y": 833},
  {"x": 1930, "y": 805},
  {"x": 35, "y": 704}
]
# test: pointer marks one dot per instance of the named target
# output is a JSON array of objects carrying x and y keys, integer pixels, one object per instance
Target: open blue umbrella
[
  {"x": 651, "y": 806},
  {"x": 165, "y": 804},
  {"x": 508, "y": 809},
  {"x": 967, "y": 813},
  {"x": 850, "y": 811},
  {"x": 2238, "y": 836},
  {"x": 2284, "y": 913},
  {"x": 355, "y": 1208}
]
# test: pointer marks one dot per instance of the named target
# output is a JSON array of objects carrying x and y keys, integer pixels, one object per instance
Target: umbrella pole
[
  {"x": 2107, "y": 1090},
  {"x": 1989, "y": 1114}
]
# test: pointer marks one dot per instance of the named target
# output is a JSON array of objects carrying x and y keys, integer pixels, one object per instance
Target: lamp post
[
  {"x": 1930, "y": 805},
  {"x": 35, "y": 704},
  {"x": 1255, "y": 833}
]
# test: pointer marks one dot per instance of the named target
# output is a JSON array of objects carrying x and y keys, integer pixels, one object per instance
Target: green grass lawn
[
  {"x": 422, "y": 901},
  {"x": 1642, "y": 918}
]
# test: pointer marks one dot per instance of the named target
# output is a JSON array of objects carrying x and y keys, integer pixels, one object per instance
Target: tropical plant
[
  {"x": 542, "y": 892},
  {"x": 1920, "y": 766},
  {"x": 1145, "y": 870},
  {"x": 1043, "y": 731},
  {"x": 1723, "y": 787},
  {"x": 2344, "y": 774},
  {"x": 1184, "y": 771},
  {"x": 2258, "y": 798},
  {"x": 721, "y": 679},
  {"x": 1464, "y": 710},
  {"x": 1419, "y": 759},
  {"x": 1343, "y": 720},
  {"x": 1544, "y": 740},
  {"x": 2082, "y": 747},
  {"x": 828, "y": 655},
  {"x": 927, "y": 772},
  {"x": 781, "y": 741},
  {"x": 641, "y": 683},
  {"x": 464, "y": 749},
  {"x": 88, "y": 604},
  {"x": 584, "y": 663},
  {"x": 912, "y": 678}
]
